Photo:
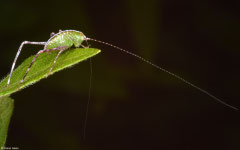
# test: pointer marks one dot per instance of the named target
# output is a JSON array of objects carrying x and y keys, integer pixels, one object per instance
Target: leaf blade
[
  {"x": 40, "y": 68},
  {"x": 6, "y": 109}
]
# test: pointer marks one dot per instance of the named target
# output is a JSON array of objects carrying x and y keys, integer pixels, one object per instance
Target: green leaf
[
  {"x": 6, "y": 109},
  {"x": 41, "y": 68}
]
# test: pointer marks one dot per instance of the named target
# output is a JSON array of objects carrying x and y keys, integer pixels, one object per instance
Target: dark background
[{"x": 133, "y": 105}]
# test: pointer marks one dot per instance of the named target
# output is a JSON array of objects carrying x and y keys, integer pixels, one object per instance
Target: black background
[{"x": 133, "y": 105}]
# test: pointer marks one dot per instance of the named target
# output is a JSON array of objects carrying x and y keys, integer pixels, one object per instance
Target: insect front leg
[
  {"x": 88, "y": 45},
  {"x": 34, "y": 59},
  {"x": 83, "y": 46},
  {"x": 18, "y": 53}
]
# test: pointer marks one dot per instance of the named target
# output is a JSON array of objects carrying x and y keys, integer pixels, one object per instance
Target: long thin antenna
[
  {"x": 164, "y": 70},
  {"x": 88, "y": 101}
]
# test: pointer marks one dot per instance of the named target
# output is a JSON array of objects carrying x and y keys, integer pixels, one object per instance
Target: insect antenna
[
  {"x": 88, "y": 101},
  {"x": 166, "y": 71}
]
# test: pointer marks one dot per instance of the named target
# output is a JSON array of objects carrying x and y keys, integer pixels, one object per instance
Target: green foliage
[
  {"x": 41, "y": 68},
  {"x": 38, "y": 71},
  {"x": 6, "y": 109}
]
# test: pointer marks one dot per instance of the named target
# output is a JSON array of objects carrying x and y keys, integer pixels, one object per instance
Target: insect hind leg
[{"x": 18, "y": 53}]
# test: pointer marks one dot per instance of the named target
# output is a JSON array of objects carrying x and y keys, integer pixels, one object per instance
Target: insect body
[
  {"x": 68, "y": 38},
  {"x": 58, "y": 42},
  {"x": 65, "y": 38}
]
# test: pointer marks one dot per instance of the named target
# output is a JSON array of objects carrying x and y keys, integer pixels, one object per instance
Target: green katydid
[{"x": 63, "y": 40}]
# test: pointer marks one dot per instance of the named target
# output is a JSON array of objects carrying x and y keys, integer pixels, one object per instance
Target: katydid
[{"x": 63, "y": 40}]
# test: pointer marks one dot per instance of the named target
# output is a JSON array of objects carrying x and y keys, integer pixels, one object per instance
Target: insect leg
[
  {"x": 83, "y": 46},
  {"x": 88, "y": 45},
  {"x": 61, "y": 49},
  {"x": 34, "y": 59},
  {"x": 16, "y": 57}
]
